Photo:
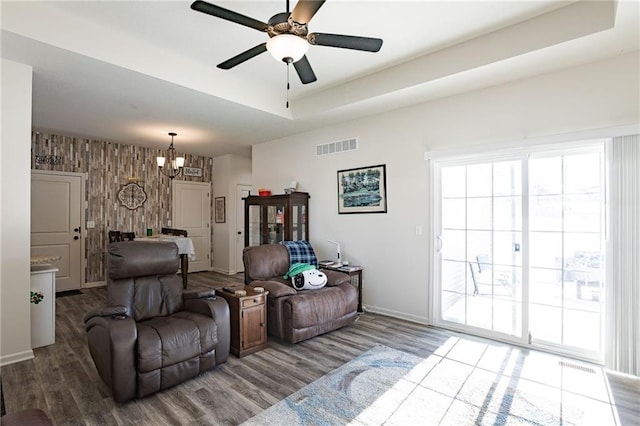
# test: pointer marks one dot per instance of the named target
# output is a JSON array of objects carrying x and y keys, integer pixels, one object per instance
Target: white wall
[
  {"x": 583, "y": 99},
  {"x": 228, "y": 172},
  {"x": 15, "y": 226}
]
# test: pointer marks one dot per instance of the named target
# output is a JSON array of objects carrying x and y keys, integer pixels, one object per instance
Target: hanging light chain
[{"x": 288, "y": 85}]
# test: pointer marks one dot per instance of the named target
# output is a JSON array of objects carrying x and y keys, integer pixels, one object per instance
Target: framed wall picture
[
  {"x": 219, "y": 207},
  {"x": 362, "y": 190}
]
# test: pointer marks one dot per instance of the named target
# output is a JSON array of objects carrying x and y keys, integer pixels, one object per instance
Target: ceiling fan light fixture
[{"x": 287, "y": 48}]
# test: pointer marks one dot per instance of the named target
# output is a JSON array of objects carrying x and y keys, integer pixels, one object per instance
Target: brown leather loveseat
[
  {"x": 153, "y": 335},
  {"x": 298, "y": 315}
]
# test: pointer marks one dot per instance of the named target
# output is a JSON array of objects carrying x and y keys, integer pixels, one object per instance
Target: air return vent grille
[{"x": 337, "y": 146}]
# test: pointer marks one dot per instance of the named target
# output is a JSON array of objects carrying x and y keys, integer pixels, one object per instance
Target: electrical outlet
[{"x": 418, "y": 229}]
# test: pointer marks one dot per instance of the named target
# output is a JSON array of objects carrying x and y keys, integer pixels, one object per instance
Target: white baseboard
[
  {"x": 95, "y": 284},
  {"x": 223, "y": 271},
  {"x": 396, "y": 314},
  {"x": 17, "y": 357}
]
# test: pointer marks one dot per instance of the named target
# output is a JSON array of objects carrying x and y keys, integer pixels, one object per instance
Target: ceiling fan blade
[
  {"x": 229, "y": 15},
  {"x": 345, "y": 41},
  {"x": 244, "y": 56},
  {"x": 304, "y": 70},
  {"x": 305, "y": 9}
]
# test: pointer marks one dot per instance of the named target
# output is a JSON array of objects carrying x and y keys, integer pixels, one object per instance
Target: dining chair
[
  {"x": 180, "y": 233},
  {"x": 128, "y": 236},
  {"x": 115, "y": 236}
]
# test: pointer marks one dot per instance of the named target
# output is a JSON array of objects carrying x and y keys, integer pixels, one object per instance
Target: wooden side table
[
  {"x": 248, "y": 320},
  {"x": 355, "y": 273}
]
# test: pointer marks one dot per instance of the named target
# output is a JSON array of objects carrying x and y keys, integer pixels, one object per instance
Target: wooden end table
[{"x": 248, "y": 320}]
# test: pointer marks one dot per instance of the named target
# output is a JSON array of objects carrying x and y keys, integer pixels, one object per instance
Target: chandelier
[{"x": 173, "y": 163}]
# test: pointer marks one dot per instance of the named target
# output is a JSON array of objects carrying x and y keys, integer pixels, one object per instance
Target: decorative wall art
[
  {"x": 362, "y": 190},
  {"x": 220, "y": 210},
  {"x": 132, "y": 196},
  {"x": 192, "y": 171}
]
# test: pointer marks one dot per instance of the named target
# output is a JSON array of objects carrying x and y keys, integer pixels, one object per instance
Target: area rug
[{"x": 341, "y": 395}]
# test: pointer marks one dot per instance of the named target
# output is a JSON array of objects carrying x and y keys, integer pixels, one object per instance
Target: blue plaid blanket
[{"x": 300, "y": 252}]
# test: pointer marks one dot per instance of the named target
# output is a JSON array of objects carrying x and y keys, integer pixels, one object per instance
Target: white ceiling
[{"x": 133, "y": 71}]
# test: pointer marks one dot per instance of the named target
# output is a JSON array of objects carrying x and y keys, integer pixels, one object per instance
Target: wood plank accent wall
[{"x": 107, "y": 166}]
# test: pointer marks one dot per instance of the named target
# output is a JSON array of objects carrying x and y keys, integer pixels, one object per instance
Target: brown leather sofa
[
  {"x": 153, "y": 335},
  {"x": 298, "y": 315}
]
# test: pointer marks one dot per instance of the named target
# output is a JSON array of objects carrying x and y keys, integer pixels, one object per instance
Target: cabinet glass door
[
  {"x": 298, "y": 222},
  {"x": 255, "y": 225},
  {"x": 275, "y": 224}
]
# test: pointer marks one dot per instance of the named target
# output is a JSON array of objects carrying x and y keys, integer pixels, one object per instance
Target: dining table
[{"x": 186, "y": 250}]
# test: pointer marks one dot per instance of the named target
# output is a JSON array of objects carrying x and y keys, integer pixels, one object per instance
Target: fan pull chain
[{"x": 288, "y": 86}]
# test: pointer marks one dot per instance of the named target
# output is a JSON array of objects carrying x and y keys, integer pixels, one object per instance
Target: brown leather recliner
[
  {"x": 153, "y": 335},
  {"x": 298, "y": 315}
]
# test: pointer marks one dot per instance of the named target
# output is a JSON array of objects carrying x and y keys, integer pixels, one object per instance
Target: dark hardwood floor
[{"x": 63, "y": 381}]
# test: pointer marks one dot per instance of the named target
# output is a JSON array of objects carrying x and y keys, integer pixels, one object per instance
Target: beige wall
[
  {"x": 568, "y": 104},
  {"x": 107, "y": 166},
  {"x": 15, "y": 193}
]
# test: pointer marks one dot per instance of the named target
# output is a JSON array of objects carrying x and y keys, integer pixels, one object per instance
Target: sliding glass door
[
  {"x": 566, "y": 251},
  {"x": 520, "y": 248},
  {"x": 481, "y": 246}
]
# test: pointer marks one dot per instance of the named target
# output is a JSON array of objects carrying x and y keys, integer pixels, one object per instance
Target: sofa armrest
[
  {"x": 218, "y": 309},
  {"x": 112, "y": 343},
  {"x": 336, "y": 278},
  {"x": 199, "y": 294},
  {"x": 111, "y": 311},
  {"x": 275, "y": 288}
]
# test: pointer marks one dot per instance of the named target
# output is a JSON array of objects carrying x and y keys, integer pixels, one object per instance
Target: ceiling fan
[{"x": 289, "y": 36}]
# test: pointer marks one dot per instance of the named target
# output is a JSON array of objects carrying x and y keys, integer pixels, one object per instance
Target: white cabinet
[{"x": 43, "y": 313}]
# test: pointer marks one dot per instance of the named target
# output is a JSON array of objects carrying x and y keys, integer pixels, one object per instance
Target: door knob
[
  {"x": 76, "y": 238},
  {"x": 239, "y": 232},
  {"x": 76, "y": 229}
]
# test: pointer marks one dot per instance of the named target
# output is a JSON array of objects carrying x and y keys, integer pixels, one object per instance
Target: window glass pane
[
  {"x": 479, "y": 243},
  {"x": 507, "y": 316},
  {"x": 579, "y": 244},
  {"x": 453, "y": 307},
  {"x": 546, "y": 323},
  {"x": 545, "y": 175},
  {"x": 479, "y": 213},
  {"x": 454, "y": 276},
  {"x": 453, "y": 182},
  {"x": 582, "y": 173},
  {"x": 545, "y": 213},
  {"x": 545, "y": 249},
  {"x": 545, "y": 286},
  {"x": 582, "y": 329},
  {"x": 507, "y": 213},
  {"x": 507, "y": 178},
  {"x": 453, "y": 245},
  {"x": 582, "y": 212},
  {"x": 479, "y": 310},
  {"x": 453, "y": 216},
  {"x": 505, "y": 245},
  {"x": 479, "y": 180}
]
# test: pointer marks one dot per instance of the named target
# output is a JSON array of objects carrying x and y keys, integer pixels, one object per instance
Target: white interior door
[
  {"x": 192, "y": 212},
  {"x": 242, "y": 191},
  {"x": 56, "y": 218}
]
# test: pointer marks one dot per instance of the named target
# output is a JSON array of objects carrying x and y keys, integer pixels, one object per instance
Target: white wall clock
[{"x": 132, "y": 196}]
